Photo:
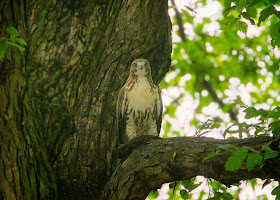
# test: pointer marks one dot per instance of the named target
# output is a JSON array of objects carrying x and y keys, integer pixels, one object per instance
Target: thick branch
[{"x": 160, "y": 161}]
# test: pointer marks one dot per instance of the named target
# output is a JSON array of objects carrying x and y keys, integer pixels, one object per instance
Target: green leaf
[
  {"x": 253, "y": 112},
  {"x": 228, "y": 147},
  {"x": 1, "y": 38},
  {"x": 12, "y": 31},
  {"x": 236, "y": 159},
  {"x": 273, "y": 2},
  {"x": 20, "y": 41},
  {"x": 252, "y": 12},
  {"x": 275, "y": 34},
  {"x": 269, "y": 153},
  {"x": 242, "y": 26},
  {"x": 215, "y": 126},
  {"x": 174, "y": 154},
  {"x": 227, "y": 196},
  {"x": 253, "y": 159},
  {"x": 227, "y": 3},
  {"x": 276, "y": 191},
  {"x": 246, "y": 15},
  {"x": 184, "y": 194},
  {"x": 275, "y": 113},
  {"x": 211, "y": 155},
  {"x": 242, "y": 4},
  {"x": 153, "y": 194},
  {"x": 21, "y": 49},
  {"x": 227, "y": 10},
  {"x": 265, "y": 13},
  {"x": 3, "y": 49},
  {"x": 253, "y": 2},
  {"x": 190, "y": 185},
  {"x": 250, "y": 112},
  {"x": 263, "y": 113}
]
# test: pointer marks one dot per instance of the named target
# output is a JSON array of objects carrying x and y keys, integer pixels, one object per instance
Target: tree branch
[
  {"x": 179, "y": 22},
  {"x": 157, "y": 161},
  {"x": 215, "y": 97}
]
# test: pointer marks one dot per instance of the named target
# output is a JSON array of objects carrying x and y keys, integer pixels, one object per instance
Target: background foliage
[{"x": 224, "y": 83}]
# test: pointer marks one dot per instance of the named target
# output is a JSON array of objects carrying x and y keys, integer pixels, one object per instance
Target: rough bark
[
  {"x": 58, "y": 99},
  {"x": 147, "y": 162}
]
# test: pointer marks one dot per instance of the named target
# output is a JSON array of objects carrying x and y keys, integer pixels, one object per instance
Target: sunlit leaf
[
  {"x": 153, "y": 194},
  {"x": 236, "y": 159},
  {"x": 253, "y": 160},
  {"x": 20, "y": 41},
  {"x": 242, "y": 26},
  {"x": 211, "y": 155},
  {"x": 12, "y": 31}
]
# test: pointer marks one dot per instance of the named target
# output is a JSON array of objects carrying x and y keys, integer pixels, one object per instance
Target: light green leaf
[
  {"x": 21, "y": 49},
  {"x": 174, "y": 154},
  {"x": 242, "y": 26},
  {"x": 215, "y": 126},
  {"x": 1, "y": 38},
  {"x": 253, "y": 160},
  {"x": 153, "y": 194},
  {"x": 20, "y": 41},
  {"x": 3, "y": 49},
  {"x": 236, "y": 159},
  {"x": 12, "y": 31},
  {"x": 211, "y": 155}
]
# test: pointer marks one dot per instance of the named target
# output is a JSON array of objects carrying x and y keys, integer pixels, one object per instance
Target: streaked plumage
[{"x": 139, "y": 105}]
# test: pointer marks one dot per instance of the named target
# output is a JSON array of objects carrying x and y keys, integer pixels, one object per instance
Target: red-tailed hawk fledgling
[{"x": 139, "y": 105}]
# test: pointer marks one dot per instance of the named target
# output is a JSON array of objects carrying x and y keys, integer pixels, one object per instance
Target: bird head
[{"x": 140, "y": 68}]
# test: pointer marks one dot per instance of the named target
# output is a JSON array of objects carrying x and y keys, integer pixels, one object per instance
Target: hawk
[{"x": 139, "y": 105}]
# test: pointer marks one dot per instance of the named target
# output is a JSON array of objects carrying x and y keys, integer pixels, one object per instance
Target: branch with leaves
[{"x": 146, "y": 165}]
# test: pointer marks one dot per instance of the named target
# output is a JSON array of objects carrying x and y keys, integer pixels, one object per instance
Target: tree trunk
[{"x": 58, "y": 99}]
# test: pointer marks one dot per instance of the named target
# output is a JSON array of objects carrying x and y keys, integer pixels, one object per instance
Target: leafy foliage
[
  {"x": 13, "y": 40},
  {"x": 241, "y": 9},
  {"x": 228, "y": 60}
]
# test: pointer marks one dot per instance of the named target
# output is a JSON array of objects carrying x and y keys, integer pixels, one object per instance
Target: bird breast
[{"x": 142, "y": 95}]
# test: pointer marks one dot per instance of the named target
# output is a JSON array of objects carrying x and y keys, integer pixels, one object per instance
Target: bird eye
[{"x": 134, "y": 64}]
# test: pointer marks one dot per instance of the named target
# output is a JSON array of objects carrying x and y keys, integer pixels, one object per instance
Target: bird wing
[
  {"x": 159, "y": 111},
  {"x": 121, "y": 114}
]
